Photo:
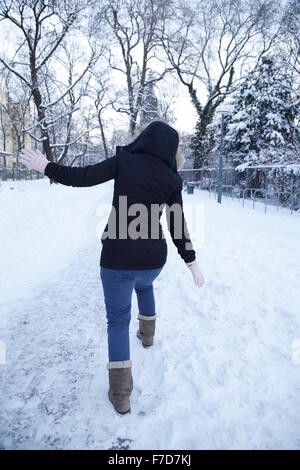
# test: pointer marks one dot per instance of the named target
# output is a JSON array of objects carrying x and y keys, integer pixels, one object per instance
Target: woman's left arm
[{"x": 89, "y": 175}]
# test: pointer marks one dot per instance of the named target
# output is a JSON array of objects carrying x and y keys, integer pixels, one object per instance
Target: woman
[{"x": 134, "y": 249}]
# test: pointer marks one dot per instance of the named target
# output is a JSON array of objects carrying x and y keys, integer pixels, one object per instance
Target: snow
[
  {"x": 287, "y": 168},
  {"x": 224, "y": 370},
  {"x": 41, "y": 231}
]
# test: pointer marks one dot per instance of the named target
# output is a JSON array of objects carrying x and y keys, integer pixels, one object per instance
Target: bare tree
[
  {"x": 206, "y": 42},
  {"x": 42, "y": 27},
  {"x": 136, "y": 26},
  {"x": 69, "y": 133},
  {"x": 100, "y": 90},
  {"x": 290, "y": 44}
]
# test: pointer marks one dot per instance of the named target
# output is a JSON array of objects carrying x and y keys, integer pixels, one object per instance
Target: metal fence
[
  {"x": 254, "y": 184},
  {"x": 16, "y": 174}
]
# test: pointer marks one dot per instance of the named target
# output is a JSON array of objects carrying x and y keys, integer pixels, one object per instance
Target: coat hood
[{"x": 157, "y": 139}]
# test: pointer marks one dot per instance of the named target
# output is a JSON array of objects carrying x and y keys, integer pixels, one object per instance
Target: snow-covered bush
[
  {"x": 286, "y": 180},
  {"x": 263, "y": 127}
]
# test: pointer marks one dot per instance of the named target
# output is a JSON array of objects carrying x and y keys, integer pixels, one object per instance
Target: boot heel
[
  {"x": 146, "y": 329},
  {"x": 147, "y": 342}
]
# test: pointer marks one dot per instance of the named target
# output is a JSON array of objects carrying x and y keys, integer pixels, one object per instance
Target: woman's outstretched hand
[
  {"x": 197, "y": 275},
  {"x": 33, "y": 159}
]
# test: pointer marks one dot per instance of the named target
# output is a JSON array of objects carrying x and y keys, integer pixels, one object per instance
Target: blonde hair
[{"x": 179, "y": 156}]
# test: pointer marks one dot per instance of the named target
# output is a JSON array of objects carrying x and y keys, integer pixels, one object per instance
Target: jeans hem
[
  {"x": 119, "y": 364},
  {"x": 146, "y": 317}
]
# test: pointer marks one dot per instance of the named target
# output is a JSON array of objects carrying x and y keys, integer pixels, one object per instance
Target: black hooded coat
[{"x": 145, "y": 172}]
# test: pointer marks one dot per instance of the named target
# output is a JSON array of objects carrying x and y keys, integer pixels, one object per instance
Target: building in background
[{"x": 12, "y": 120}]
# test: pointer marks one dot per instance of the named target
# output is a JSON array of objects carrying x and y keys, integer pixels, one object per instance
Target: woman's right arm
[{"x": 89, "y": 175}]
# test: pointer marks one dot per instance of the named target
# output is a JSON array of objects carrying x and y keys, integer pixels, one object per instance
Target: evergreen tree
[
  {"x": 204, "y": 139},
  {"x": 264, "y": 125}
]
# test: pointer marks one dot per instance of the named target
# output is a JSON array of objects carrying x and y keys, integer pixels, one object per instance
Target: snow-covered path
[{"x": 220, "y": 375}]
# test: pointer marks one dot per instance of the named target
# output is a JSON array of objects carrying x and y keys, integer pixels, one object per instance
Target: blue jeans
[{"x": 118, "y": 285}]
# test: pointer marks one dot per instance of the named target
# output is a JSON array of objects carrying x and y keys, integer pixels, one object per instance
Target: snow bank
[
  {"x": 42, "y": 227},
  {"x": 223, "y": 373}
]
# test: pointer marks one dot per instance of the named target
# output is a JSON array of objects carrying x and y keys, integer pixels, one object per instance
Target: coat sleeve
[
  {"x": 178, "y": 228},
  {"x": 89, "y": 175}
]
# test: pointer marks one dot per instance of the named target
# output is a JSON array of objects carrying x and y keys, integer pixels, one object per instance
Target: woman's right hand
[
  {"x": 197, "y": 275},
  {"x": 33, "y": 159}
]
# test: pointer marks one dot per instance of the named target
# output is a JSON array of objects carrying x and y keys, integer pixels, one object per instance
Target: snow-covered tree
[
  {"x": 136, "y": 27},
  {"x": 264, "y": 125},
  {"x": 47, "y": 61},
  {"x": 290, "y": 45},
  {"x": 208, "y": 43}
]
